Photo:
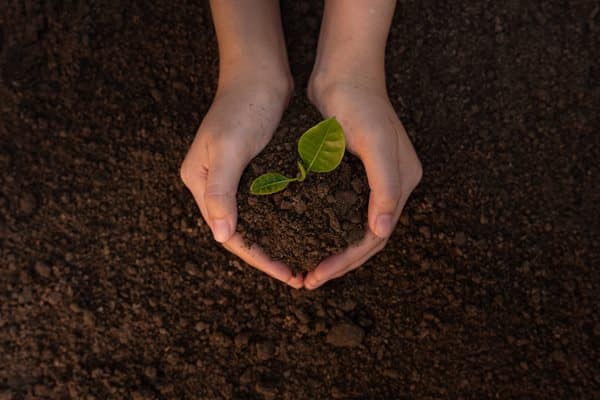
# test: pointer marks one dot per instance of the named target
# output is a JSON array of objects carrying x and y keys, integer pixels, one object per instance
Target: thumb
[
  {"x": 384, "y": 180},
  {"x": 222, "y": 181}
]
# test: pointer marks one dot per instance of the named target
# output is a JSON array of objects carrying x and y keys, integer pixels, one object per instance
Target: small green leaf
[
  {"x": 271, "y": 182},
  {"x": 302, "y": 173},
  {"x": 322, "y": 146}
]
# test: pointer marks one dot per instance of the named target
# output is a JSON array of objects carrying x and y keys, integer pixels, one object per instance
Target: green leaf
[
  {"x": 302, "y": 171},
  {"x": 271, "y": 182},
  {"x": 322, "y": 146}
]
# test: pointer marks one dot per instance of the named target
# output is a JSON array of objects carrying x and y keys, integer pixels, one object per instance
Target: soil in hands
[{"x": 309, "y": 220}]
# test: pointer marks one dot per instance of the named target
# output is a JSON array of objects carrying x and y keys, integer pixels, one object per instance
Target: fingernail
[
  {"x": 220, "y": 229},
  {"x": 383, "y": 225}
]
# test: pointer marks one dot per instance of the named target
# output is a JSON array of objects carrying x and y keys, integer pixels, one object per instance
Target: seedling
[{"x": 321, "y": 149}]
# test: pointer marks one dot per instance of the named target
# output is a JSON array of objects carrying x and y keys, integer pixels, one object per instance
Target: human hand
[
  {"x": 239, "y": 124},
  {"x": 374, "y": 134}
]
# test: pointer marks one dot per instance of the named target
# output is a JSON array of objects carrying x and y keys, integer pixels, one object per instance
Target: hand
[
  {"x": 374, "y": 134},
  {"x": 239, "y": 124}
]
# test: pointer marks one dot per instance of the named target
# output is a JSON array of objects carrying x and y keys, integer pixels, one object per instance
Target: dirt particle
[
  {"x": 357, "y": 185},
  {"x": 150, "y": 372},
  {"x": 345, "y": 199},
  {"x": 27, "y": 204},
  {"x": 425, "y": 232},
  {"x": 192, "y": 269},
  {"x": 265, "y": 350},
  {"x": 266, "y": 389},
  {"x": 300, "y": 206},
  {"x": 460, "y": 238},
  {"x": 6, "y": 395},
  {"x": 241, "y": 340},
  {"x": 42, "y": 269},
  {"x": 345, "y": 334},
  {"x": 559, "y": 357},
  {"x": 219, "y": 339},
  {"x": 347, "y": 305},
  {"x": 201, "y": 326},
  {"x": 302, "y": 316}
]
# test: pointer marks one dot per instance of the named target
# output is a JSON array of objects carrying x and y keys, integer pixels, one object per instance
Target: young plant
[{"x": 321, "y": 149}]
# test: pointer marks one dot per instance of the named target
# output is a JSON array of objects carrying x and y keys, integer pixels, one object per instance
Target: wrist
[
  {"x": 323, "y": 81},
  {"x": 244, "y": 74}
]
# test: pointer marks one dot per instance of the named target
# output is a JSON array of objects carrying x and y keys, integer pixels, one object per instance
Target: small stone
[
  {"x": 219, "y": 339},
  {"x": 137, "y": 396},
  {"x": 247, "y": 377},
  {"x": 27, "y": 204},
  {"x": 241, "y": 340},
  {"x": 347, "y": 305},
  {"x": 201, "y": 326},
  {"x": 192, "y": 269},
  {"x": 88, "y": 319},
  {"x": 150, "y": 372},
  {"x": 156, "y": 95},
  {"x": 267, "y": 389},
  {"x": 337, "y": 392},
  {"x": 345, "y": 334},
  {"x": 300, "y": 207},
  {"x": 286, "y": 205},
  {"x": 357, "y": 185},
  {"x": 460, "y": 238},
  {"x": 404, "y": 220},
  {"x": 265, "y": 350},
  {"x": 300, "y": 314},
  {"x": 322, "y": 190},
  {"x": 42, "y": 269},
  {"x": 334, "y": 223}
]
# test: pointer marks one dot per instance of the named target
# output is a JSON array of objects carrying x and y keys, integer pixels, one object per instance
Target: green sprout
[{"x": 321, "y": 149}]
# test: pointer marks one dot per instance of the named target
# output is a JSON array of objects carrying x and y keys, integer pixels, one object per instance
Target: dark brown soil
[
  {"x": 111, "y": 285},
  {"x": 310, "y": 220}
]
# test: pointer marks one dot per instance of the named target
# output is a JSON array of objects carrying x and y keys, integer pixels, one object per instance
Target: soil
[
  {"x": 112, "y": 287},
  {"x": 309, "y": 220}
]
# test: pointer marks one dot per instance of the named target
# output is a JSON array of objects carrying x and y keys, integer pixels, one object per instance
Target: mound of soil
[{"x": 308, "y": 220}]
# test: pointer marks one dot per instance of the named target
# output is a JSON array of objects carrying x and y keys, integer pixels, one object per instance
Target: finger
[
  {"x": 357, "y": 263},
  {"x": 333, "y": 265},
  {"x": 196, "y": 186},
  {"x": 362, "y": 259},
  {"x": 193, "y": 174},
  {"x": 219, "y": 200},
  {"x": 380, "y": 159},
  {"x": 254, "y": 256}
]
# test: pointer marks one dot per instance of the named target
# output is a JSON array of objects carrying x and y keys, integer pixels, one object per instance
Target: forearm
[
  {"x": 353, "y": 39},
  {"x": 250, "y": 38}
]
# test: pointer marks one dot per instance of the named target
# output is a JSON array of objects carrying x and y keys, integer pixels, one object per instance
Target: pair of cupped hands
[{"x": 239, "y": 124}]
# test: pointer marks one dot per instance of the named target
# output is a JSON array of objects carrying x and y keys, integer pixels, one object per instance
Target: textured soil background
[{"x": 111, "y": 287}]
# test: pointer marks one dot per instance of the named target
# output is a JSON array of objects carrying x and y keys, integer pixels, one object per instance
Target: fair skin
[{"x": 348, "y": 82}]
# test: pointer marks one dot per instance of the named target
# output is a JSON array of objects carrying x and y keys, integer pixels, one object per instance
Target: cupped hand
[
  {"x": 239, "y": 124},
  {"x": 375, "y": 134}
]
